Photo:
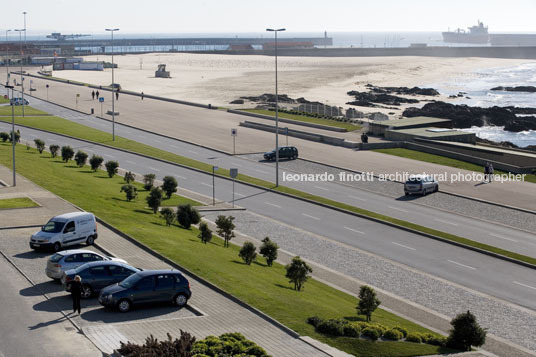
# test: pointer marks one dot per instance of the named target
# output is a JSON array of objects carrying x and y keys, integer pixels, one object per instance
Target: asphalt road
[{"x": 498, "y": 278}]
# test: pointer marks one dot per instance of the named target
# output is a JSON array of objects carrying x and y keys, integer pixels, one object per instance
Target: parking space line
[
  {"x": 271, "y": 204},
  {"x": 354, "y": 230},
  {"x": 398, "y": 209},
  {"x": 495, "y": 235},
  {"x": 462, "y": 265},
  {"x": 442, "y": 221},
  {"x": 525, "y": 285},
  {"x": 306, "y": 215},
  {"x": 403, "y": 246}
]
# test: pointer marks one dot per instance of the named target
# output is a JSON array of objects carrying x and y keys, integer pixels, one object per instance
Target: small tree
[
  {"x": 95, "y": 162},
  {"x": 204, "y": 233},
  {"x": 154, "y": 200},
  {"x": 368, "y": 302},
  {"x": 130, "y": 190},
  {"x": 248, "y": 253},
  {"x": 129, "y": 177},
  {"x": 4, "y": 136},
  {"x": 67, "y": 153},
  {"x": 169, "y": 185},
  {"x": 187, "y": 215},
  {"x": 54, "y": 150},
  {"x": 466, "y": 332},
  {"x": 80, "y": 158},
  {"x": 40, "y": 145},
  {"x": 111, "y": 167},
  {"x": 225, "y": 227},
  {"x": 148, "y": 181},
  {"x": 168, "y": 215},
  {"x": 269, "y": 251},
  {"x": 16, "y": 135},
  {"x": 298, "y": 272}
]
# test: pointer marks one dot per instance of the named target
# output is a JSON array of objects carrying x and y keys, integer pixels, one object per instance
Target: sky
[{"x": 252, "y": 16}]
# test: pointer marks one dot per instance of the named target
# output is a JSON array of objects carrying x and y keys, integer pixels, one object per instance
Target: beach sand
[{"x": 218, "y": 79}]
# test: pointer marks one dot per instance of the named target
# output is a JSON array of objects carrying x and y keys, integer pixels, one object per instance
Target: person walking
[
  {"x": 141, "y": 95},
  {"x": 490, "y": 172},
  {"x": 93, "y": 95},
  {"x": 486, "y": 172},
  {"x": 76, "y": 293},
  {"x": 116, "y": 95},
  {"x": 97, "y": 94}
]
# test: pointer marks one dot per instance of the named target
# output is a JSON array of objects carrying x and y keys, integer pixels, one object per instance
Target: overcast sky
[{"x": 236, "y": 16}]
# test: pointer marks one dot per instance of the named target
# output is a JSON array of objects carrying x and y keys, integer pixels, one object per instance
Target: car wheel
[
  {"x": 123, "y": 305},
  {"x": 90, "y": 240},
  {"x": 181, "y": 300},
  {"x": 406, "y": 193},
  {"x": 436, "y": 188},
  {"x": 86, "y": 291},
  {"x": 57, "y": 246},
  {"x": 423, "y": 192}
]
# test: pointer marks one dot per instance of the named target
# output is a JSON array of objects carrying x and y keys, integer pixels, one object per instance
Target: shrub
[
  {"x": 466, "y": 332},
  {"x": 130, "y": 190},
  {"x": 111, "y": 167},
  {"x": 16, "y": 135},
  {"x": 367, "y": 302},
  {"x": 414, "y": 337},
  {"x": 298, "y": 272},
  {"x": 402, "y": 330},
  {"x": 248, "y": 253},
  {"x": 204, "y": 233},
  {"x": 187, "y": 215},
  {"x": 434, "y": 339},
  {"x": 129, "y": 177},
  {"x": 168, "y": 214},
  {"x": 229, "y": 344},
  {"x": 67, "y": 153},
  {"x": 148, "y": 181},
  {"x": 314, "y": 320},
  {"x": 371, "y": 332},
  {"x": 152, "y": 347},
  {"x": 40, "y": 145},
  {"x": 225, "y": 227},
  {"x": 4, "y": 136},
  {"x": 351, "y": 330},
  {"x": 154, "y": 199},
  {"x": 269, "y": 251},
  {"x": 80, "y": 158},
  {"x": 393, "y": 334},
  {"x": 95, "y": 162},
  {"x": 334, "y": 327},
  {"x": 169, "y": 185},
  {"x": 54, "y": 150}
]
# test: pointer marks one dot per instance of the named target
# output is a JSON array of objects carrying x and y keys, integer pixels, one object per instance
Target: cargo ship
[{"x": 477, "y": 34}]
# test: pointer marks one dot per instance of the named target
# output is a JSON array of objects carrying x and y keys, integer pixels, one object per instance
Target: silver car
[
  {"x": 420, "y": 184},
  {"x": 71, "y": 259}
]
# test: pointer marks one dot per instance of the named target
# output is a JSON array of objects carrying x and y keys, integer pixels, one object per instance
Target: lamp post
[
  {"x": 276, "y": 112},
  {"x": 13, "y": 141},
  {"x": 7, "y": 61},
  {"x": 21, "y": 77},
  {"x": 113, "y": 85},
  {"x": 24, "y": 13}
]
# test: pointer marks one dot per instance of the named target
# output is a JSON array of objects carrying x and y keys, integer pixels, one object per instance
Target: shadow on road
[{"x": 47, "y": 287}]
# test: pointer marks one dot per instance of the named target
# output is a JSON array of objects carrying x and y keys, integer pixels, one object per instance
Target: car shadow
[
  {"x": 138, "y": 312},
  {"x": 408, "y": 198},
  {"x": 64, "y": 303},
  {"x": 42, "y": 288},
  {"x": 33, "y": 254}
]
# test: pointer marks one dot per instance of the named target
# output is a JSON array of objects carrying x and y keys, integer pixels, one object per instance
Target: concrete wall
[{"x": 396, "y": 135}]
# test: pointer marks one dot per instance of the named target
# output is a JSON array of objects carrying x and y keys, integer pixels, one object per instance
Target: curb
[{"x": 22, "y": 227}]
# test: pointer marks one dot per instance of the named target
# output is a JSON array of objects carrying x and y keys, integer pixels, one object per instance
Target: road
[{"x": 495, "y": 277}]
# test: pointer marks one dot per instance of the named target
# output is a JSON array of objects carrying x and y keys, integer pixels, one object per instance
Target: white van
[{"x": 65, "y": 230}]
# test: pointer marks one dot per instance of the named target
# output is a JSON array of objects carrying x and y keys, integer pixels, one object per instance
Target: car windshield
[
  {"x": 414, "y": 180},
  {"x": 53, "y": 227},
  {"x": 130, "y": 281}
]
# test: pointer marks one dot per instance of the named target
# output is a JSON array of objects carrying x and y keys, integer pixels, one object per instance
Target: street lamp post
[
  {"x": 13, "y": 141},
  {"x": 113, "y": 85},
  {"x": 7, "y": 61},
  {"x": 276, "y": 112},
  {"x": 24, "y": 13},
  {"x": 21, "y": 77}
]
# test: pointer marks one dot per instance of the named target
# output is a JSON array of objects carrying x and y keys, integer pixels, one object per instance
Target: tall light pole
[
  {"x": 7, "y": 61},
  {"x": 21, "y": 56},
  {"x": 24, "y": 13},
  {"x": 13, "y": 141},
  {"x": 113, "y": 85},
  {"x": 276, "y": 112}
]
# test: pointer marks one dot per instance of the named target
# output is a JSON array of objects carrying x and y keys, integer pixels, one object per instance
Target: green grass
[
  {"x": 304, "y": 118},
  {"x": 3, "y": 100},
  {"x": 20, "y": 202},
  {"x": 441, "y": 160},
  {"x": 263, "y": 287},
  {"x": 67, "y": 127},
  {"x": 5, "y": 110}
]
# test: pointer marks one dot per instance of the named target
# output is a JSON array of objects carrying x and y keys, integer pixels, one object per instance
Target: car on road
[
  {"x": 148, "y": 286},
  {"x": 72, "y": 259},
  {"x": 420, "y": 184},
  {"x": 65, "y": 230},
  {"x": 285, "y": 152},
  {"x": 18, "y": 101},
  {"x": 97, "y": 275}
]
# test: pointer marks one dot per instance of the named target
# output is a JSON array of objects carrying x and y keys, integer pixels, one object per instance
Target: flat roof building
[{"x": 379, "y": 127}]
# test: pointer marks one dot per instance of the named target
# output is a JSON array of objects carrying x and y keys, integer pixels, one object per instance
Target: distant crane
[{"x": 58, "y": 36}]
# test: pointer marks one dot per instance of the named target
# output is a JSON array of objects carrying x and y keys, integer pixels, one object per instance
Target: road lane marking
[
  {"x": 174, "y": 147},
  {"x": 511, "y": 240},
  {"x": 35, "y": 136},
  {"x": 53, "y": 140},
  {"x": 442, "y": 221},
  {"x": 193, "y": 152},
  {"x": 271, "y": 204},
  {"x": 354, "y": 230},
  {"x": 237, "y": 165},
  {"x": 403, "y": 246},
  {"x": 525, "y": 285},
  {"x": 306, "y": 215},
  {"x": 181, "y": 177},
  {"x": 107, "y": 155},
  {"x": 320, "y": 188},
  {"x": 152, "y": 168},
  {"x": 462, "y": 265},
  {"x": 157, "y": 141},
  {"x": 398, "y": 209},
  {"x": 239, "y": 194},
  {"x": 206, "y": 184},
  {"x": 262, "y": 172},
  {"x": 131, "y": 162},
  {"x": 357, "y": 198}
]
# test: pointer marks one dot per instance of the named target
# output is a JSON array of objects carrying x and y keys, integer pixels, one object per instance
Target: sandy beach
[{"x": 219, "y": 79}]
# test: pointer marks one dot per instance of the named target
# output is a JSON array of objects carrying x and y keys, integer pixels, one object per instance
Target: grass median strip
[
  {"x": 263, "y": 287},
  {"x": 19, "y": 202},
  {"x": 5, "y": 110},
  {"x": 67, "y": 127}
]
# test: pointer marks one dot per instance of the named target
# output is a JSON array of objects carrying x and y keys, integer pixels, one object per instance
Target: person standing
[
  {"x": 76, "y": 293},
  {"x": 97, "y": 94},
  {"x": 490, "y": 172},
  {"x": 117, "y": 95},
  {"x": 486, "y": 172},
  {"x": 93, "y": 95},
  {"x": 141, "y": 95}
]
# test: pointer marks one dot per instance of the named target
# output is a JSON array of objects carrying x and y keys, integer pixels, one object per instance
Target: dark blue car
[
  {"x": 148, "y": 286},
  {"x": 98, "y": 275}
]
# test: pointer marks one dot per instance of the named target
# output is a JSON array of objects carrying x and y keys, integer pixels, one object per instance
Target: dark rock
[
  {"x": 406, "y": 90},
  {"x": 528, "y": 89},
  {"x": 367, "y": 98},
  {"x": 517, "y": 110},
  {"x": 270, "y": 98},
  {"x": 237, "y": 101}
]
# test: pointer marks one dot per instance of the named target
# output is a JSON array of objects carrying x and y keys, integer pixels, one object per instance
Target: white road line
[
  {"x": 306, "y": 215},
  {"x": 35, "y": 136},
  {"x": 271, "y": 204},
  {"x": 174, "y": 147},
  {"x": 442, "y": 221},
  {"x": 320, "y": 188},
  {"x": 239, "y": 194},
  {"x": 53, "y": 140},
  {"x": 193, "y": 152},
  {"x": 262, "y": 172},
  {"x": 157, "y": 141},
  {"x": 131, "y": 162},
  {"x": 152, "y": 168},
  {"x": 462, "y": 265},
  {"x": 525, "y": 285},
  {"x": 181, "y": 177},
  {"x": 403, "y": 246},
  {"x": 511, "y": 240},
  {"x": 354, "y": 230},
  {"x": 357, "y": 198},
  {"x": 237, "y": 165},
  {"x": 107, "y": 155},
  {"x": 398, "y": 209},
  {"x": 206, "y": 184}
]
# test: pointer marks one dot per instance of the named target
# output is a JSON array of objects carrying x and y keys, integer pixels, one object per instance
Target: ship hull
[{"x": 460, "y": 37}]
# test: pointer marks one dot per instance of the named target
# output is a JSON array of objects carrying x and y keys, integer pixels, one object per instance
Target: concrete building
[
  {"x": 379, "y": 128},
  {"x": 431, "y": 133}
]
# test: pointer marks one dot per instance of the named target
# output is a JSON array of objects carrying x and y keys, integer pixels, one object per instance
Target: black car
[
  {"x": 285, "y": 152},
  {"x": 97, "y": 275},
  {"x": 148, "y": 286}
]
